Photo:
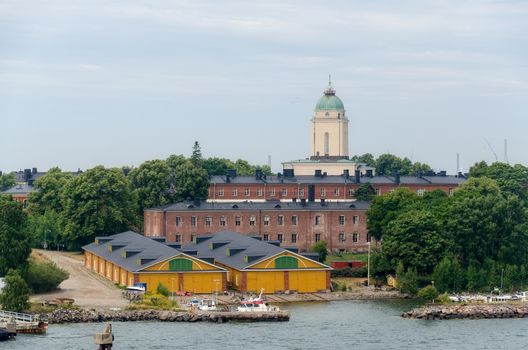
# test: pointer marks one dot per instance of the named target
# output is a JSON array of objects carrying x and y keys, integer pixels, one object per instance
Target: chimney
[
  {"x": 324, "y": 174},
  {"x": 258, "y": 174},
  {"x": 196, "y": 202},
  {"x": 231, "y": 172},
  {"x": 303, "y": 202},
  {"x": 288, "y": 173},
  {"x": 346, "y": 173},
  {"x": 357, "y": 175},
  {"x": 369, "y": 172},
  {"x": 294, "y": 200},
  {"x": 397, "y": 177},
  {"x": 228, "y": 178},
  {"x": 27, "y": 174},
  {"x": 323, "y": 202},
  {"x": 318, "y": 173},
  {"x": 33, "y": 171}
]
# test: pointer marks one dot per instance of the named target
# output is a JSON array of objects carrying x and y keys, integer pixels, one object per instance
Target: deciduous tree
[{"x": 15, "y": 244}]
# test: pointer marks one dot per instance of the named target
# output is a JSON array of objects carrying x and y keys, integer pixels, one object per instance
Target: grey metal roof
[
  {"x": 139, "y": 245},
  {"x": 208, "y": 206},
  {"x": 19, "y": 189},
  {"x": 242, "y": 244},
  {"x": 339, "y": 179}
]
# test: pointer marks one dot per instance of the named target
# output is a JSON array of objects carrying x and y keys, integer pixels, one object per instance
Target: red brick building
[
  {"x": 294, "y": 224},
  {"x": 319, "y": 186}
]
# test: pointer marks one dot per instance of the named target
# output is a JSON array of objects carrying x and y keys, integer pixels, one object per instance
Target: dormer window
[{"x": 327, "y": 114}]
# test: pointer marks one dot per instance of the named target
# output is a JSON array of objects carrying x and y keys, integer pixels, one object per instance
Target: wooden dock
[{"x": 24, "y": 323}]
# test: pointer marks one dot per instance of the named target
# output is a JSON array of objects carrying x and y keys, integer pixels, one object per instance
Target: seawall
[{"x": 468, "y": 311}]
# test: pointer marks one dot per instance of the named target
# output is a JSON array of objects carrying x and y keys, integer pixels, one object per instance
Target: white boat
[
  {"x": 256, "y": 304},
  {"x": 207, "y": 305}
]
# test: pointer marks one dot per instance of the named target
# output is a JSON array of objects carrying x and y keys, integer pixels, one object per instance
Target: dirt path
[{"x": 88, "y": 289}]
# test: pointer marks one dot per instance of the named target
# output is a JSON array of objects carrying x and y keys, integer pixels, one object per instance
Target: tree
[
  {"x": 152, "y": 183},
  {"x": 416, "y": 239},
  {"x": 217, "y": 166},
  {"x": 366, "y": 158},
  {"x": 45, "y": 229},
  {"x": 512, "y": 180},
  {"x": 7, "y": 181},
  {"x": 428, "y": 293},
  {"x": 15, "y": 245},
  {"x": 484, "y": 223},
  {"x": 365, "y": 192},
  {"x": 48, "y": 190},
  {"x": 15, "y": 295},
  {"x": 407, "y": 281},
  {"x": 196, "y": 157},
  {"x": 191, "y": 182},
  {"x": 98, "y": 202},
  {"x": 387, "y": 164},
  {"x": 448, "y": 275},
  {"x": 321, "y": 249},
  {"x": 420, "y": 168},
  {"x": 384, "y": 209}
]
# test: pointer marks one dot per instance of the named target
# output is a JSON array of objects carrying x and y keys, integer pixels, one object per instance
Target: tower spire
[{"x": 329, "y": 90}]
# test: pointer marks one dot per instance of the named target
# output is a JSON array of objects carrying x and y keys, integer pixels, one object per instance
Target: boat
[
  {"x": 256, "y": 304},
  {"x": 24, "y": 323},
  {"x": 207, "y": 305}
]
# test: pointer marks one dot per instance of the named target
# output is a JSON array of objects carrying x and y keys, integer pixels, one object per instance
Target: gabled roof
[
  {"x": 234, "y": 253},
  {"x": 128, "y": 247},
  {"x": 19, "y": 189},
  {"x": 223, "y": 206}
]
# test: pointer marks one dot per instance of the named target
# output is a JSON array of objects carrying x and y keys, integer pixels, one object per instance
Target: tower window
[{"x": 326, "y": 143}]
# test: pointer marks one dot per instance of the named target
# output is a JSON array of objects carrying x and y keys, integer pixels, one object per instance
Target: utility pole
[{"x": 368, "y": 265}]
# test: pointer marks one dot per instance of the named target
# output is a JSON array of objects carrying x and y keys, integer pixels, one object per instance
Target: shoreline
[{"x": 468, "y": 311}]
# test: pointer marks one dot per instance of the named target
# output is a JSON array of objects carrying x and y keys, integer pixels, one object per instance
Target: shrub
[
  {"x": 428, "y": 293},
  {"x": 321, "y": 249},
  {"x": 350, "y": 272},
  {"x": 162, "y": 289},
  {"x": 15, "y": 295},
  {"x": 44, "y": 276}
]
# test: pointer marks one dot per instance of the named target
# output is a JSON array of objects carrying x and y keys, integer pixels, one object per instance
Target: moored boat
[{"x": 256, "y": 304}]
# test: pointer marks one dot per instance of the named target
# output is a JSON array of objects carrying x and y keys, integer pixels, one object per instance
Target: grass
[{"x": 346, "y": 256}]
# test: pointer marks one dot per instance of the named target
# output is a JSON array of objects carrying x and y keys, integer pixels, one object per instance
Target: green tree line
[{"x": 475, "y": 240}]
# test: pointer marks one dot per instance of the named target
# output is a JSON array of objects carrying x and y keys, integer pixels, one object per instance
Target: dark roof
[
  {"x": 18, "y": 189},
  {"x": 191, "y": 206},
  {"x": 239, "y": 245},
  {"x": 137, "y": 245},
  {"x": 340, "y": 179}
]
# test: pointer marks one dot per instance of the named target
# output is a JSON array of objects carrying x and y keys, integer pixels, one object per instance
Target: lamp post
[
  {"x": 216, "y": 289},
  {"x": 368, "y": 265}
]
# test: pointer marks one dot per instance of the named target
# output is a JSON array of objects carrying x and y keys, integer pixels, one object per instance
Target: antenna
[
  {"x": 458, "y": 163},
  {"x": 492, "y": 150},
  {"x": 506, "y": 151},
  {"x": 330, "y": 80}
]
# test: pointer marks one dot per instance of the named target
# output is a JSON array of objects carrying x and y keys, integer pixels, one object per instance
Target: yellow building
[
  {"x": 253, "y": 265},
  {"x": 129, "y": 258}
]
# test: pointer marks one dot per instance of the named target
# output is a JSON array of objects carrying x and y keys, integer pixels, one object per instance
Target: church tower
[{"x": 329, "y": 127}]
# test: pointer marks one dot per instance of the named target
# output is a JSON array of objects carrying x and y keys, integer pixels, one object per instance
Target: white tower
[{"x": 329, "y": 127}]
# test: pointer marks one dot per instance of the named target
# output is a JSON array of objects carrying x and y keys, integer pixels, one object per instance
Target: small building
[
  {"x": 253, "y": 264},
  {"x": 129, "y": 258},
  {"x": 343, "y": 264}
]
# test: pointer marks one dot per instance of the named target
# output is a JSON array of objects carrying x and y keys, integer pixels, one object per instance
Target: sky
[{"x": 116, "y": 83}]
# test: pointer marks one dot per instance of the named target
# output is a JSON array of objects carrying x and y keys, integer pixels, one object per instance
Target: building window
[
  {"x": 355, "y": 237},
  {"x": 220, "y": 192},
  {"x": 323, "y": 192},
  {"x": 237, "y": 220},
  {"x": 351, "y": 192},
  {"x": 223, "y": 221},
  {"x": 326, "y": 143},
  {"x": 341, "y": 220},
  {"x": 266, "y": 220},
  {"x": 177, "y": 238},
  {"x": 178, "y": 221},
  {"x": 294, "y": 238},
  {"x": 378, "y": 192},
  {"x": 234, "y": 192},
  {"x": 420, "y": 192},
  {"x": 336, "y": 191},
  {"x": 341, "y": 236},
  {"x": 284, "y": 192},
  {"x": 317, "y": 220},
  {"x": 280, "y": 220},
  {"x": 193, "y": 221},
  {"x": 294, "y": 220},
  {"x": 246, "y": 192},
  {"x": 301, "y": 192},
  {"x": 317, "y": 237},
  {"x": 272, "y": 192},
  {"x": 208, "y": 221},
  {"x": 252, "y": 220},
  {"x": 355, "y": 220},
  {"x": 450, "y": 191},
  {"x": 265, "y": 237},
  {"x": 192, "y": 238},
  {"x": 280, "y": 237},
  {"x": 259, "y": 192}
]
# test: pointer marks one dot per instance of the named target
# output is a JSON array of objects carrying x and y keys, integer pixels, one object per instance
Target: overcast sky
[{"x": 120, "y": 82}]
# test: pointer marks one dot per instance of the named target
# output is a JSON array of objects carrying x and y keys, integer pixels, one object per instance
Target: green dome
[{"x": 329, "y": 101}]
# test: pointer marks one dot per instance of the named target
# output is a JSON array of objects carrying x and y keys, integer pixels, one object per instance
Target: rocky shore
[
  {"x": 83, "y": 315},
  {"x": 471, "y": 311}
]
